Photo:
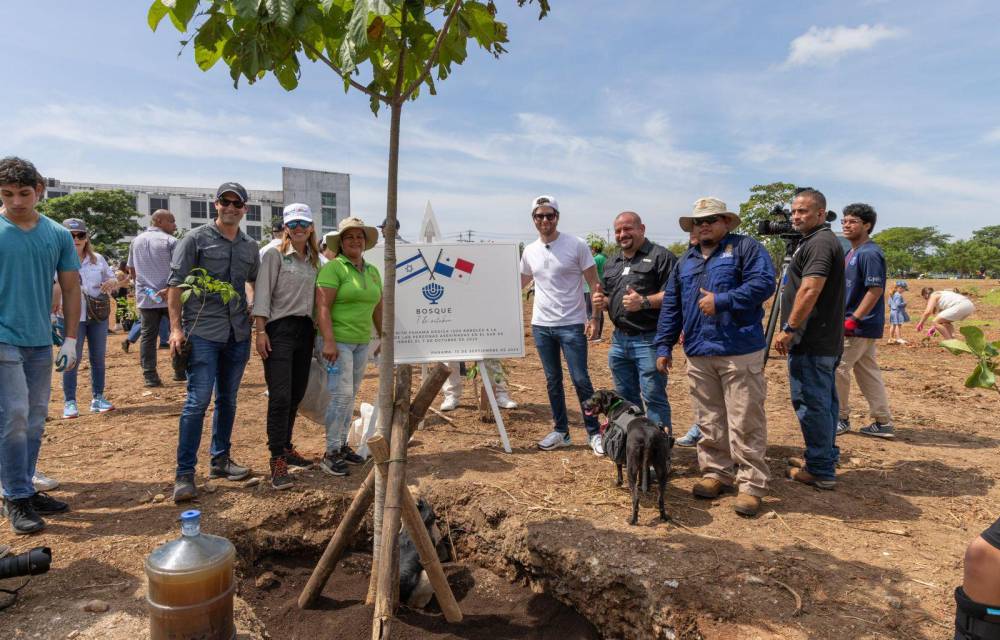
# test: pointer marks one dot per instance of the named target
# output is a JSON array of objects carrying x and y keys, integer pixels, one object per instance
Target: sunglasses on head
[
  {"x": 298, "y": 224},
  {"x": 79, "y": 235},
  {"x": 235, "y": 204},
  {"x": 545, "y": 216},
  {"x": 706, "y": 220}
]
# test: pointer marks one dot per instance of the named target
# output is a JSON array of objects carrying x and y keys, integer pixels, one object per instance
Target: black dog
[
  {"x": 646, "y": 445},
  {"x": 414, "y": 586}
]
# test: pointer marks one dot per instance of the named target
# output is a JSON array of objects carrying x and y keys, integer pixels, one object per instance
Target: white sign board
[{"x": 458, "y": 301}]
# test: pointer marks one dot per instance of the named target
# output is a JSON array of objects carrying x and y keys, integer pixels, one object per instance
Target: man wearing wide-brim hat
[{"x": 715, "y": 296}]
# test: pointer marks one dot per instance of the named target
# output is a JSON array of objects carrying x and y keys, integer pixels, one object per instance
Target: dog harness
[{"x": 616, "y": 434}]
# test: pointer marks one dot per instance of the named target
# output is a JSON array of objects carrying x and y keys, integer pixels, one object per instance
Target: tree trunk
[{"x": 385, "y": 377}]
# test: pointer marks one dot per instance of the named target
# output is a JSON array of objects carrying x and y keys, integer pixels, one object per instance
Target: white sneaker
[
  {"x": 504, "y": 401},
  {"x": 597, "y": 445},
  {"x": 553, "y": 441},
  {"x": 450, "y": 403},
  {"x": 42, "y": 482}
]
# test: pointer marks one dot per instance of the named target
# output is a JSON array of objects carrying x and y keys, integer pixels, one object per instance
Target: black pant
[
  {"x": 149, "y": 338},
  {"x": 287, "y": 373}
]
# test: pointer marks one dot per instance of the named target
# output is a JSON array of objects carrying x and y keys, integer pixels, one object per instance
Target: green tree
[
  {"x": 401, "y": 45},
  {"x": 988, "y": 235},
  {"x": 110, "y": 216},
  {"x": 594, "y": 240},
  {"x": 967, "y": 257},
  {"x": 678, "y": 248},
  {"x": 763, "y": 198},
  {"x": 910, "y": 250}
]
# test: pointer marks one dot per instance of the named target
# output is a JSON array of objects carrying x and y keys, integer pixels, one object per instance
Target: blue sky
[{"x": 606, "y": 105}]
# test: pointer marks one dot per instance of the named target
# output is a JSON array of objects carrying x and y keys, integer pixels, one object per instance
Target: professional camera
[
  {"x": 30, "y": 563},
  {"x": 783, "y": 225}
]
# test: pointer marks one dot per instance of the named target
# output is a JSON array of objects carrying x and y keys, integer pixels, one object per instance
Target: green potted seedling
[
  {"x": 984, "y": 376},
  {"x": 201, "y": 285}
]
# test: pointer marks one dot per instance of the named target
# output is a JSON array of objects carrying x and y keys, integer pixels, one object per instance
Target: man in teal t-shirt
[
  {"x": 32, "y": 250},
  {"x": 599, "y": 260}
]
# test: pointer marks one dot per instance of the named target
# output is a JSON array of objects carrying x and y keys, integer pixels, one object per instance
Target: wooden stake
[
  {"x": 429, "y": 389},
  {"x": 387, "y": 596},
  {"x": 418, "y": 532}
]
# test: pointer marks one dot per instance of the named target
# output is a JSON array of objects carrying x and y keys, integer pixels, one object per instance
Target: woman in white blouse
[{"x": 96, "y": 278}]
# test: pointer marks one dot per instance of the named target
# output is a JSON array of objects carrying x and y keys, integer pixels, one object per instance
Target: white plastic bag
[
  {"x": 317, "y": 398},
  {"x": 361, "y": 430}
]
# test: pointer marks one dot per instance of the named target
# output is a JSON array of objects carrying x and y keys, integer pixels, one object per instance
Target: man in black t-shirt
[
  {"x": 977, "y": 614},
  {"x": 812, "y": 335}
]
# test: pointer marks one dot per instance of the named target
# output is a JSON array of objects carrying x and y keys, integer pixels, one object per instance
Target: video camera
[
  {"x": 29, "y": 563},
  {"x": 783, "y": 226}
]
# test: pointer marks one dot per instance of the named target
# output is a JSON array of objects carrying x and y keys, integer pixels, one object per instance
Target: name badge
[{"x": 626, "y": 270}]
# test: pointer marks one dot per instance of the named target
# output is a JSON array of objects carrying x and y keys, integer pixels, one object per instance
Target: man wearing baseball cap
[
  {"x": 211, "y": 335},
  {"x": 559, "y": 263},
  {"x": 715, "y": 297}
]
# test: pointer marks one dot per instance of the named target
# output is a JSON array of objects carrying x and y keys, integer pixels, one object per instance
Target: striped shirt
[{"x": 150, "y": 257}]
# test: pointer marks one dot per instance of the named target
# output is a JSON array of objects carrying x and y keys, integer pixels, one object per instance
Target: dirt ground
[{"x": 533, "y": 531}]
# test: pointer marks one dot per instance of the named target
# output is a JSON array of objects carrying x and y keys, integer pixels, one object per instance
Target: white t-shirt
[
  {"x": 92, "y": 276},
  {"x": 558, "y": 272},
  {"x": 273, "y": 242}
]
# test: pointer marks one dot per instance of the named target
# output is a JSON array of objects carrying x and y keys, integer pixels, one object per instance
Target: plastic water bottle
[
  {"x": 332, "y": 367},
  {"x": 152, "y": 295}
]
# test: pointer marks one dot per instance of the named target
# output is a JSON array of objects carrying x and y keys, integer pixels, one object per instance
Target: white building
[{"x": 328, "y": 194}]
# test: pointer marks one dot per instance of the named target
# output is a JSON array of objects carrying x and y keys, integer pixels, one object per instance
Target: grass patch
[
  {"x": 975, "y": 323},
  {"x": 992, "y": 298}
]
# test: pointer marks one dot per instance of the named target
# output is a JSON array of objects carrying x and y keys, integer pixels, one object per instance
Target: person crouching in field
[
  {"x": 950, "y": 306},
  {"x": 283, "y": 305}
]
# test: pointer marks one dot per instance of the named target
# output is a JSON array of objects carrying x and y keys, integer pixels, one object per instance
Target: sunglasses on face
[
  {"x": 706, "y": 220},
  {"x": 235, "y": 204},
  {"x": 79, "y": 235},
  {"x": 545, "y": 216},
  {"x": 298, "y": 224}
]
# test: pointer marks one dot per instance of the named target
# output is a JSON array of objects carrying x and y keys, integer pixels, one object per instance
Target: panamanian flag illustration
[{"x": 458, "y": 270}]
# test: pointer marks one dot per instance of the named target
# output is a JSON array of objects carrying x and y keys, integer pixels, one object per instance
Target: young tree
[
  {"x": 402, "y": 45},
  {"x": 763, "y": 198},
  {"x": 910, "y": 249},
  {"x": 110, "y": 216}
]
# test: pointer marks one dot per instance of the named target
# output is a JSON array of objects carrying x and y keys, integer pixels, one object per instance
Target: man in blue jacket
[{"x": 715, "y": 296}]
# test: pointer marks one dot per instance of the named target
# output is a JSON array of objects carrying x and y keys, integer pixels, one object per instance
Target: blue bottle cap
[{"x": 193, "y": 514}]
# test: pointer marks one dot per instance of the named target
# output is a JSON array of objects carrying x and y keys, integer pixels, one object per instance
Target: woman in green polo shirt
[{"x": 349, "y": 304}]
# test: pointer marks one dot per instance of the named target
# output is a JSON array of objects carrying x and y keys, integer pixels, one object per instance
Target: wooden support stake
[
  {"x": 387, "y": 594},
  {"x": 414, "y": 524},
  {"x": 429, "y": 389}
]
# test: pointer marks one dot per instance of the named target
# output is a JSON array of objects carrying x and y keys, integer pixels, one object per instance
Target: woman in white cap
[
  {"x": 97, "y": 282},
  {"x": 348, "y": 305},
  {"x": 284, "y": 302}
]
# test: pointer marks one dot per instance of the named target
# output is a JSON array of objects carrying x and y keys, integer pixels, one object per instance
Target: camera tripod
[{"x": 791, "y": 244}]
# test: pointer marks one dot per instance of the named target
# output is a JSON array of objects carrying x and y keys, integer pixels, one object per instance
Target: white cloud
[
  {"x": 825, "y": 45},
  {"x": 993, "y": 136}
]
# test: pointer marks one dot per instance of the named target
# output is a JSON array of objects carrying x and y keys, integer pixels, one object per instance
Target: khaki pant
[
  {"x": 859, "y": 356},
  {"x": 729, "y": 393}
]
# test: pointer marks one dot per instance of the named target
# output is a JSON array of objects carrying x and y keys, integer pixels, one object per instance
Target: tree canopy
[
  {"x": 763, "y": 198},
  {"x": 110, "y": 217}
]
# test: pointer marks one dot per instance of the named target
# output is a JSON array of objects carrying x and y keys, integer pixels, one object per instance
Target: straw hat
[
  {"x": 705, "y": 207},
  {"x": 332, "y": 239}
]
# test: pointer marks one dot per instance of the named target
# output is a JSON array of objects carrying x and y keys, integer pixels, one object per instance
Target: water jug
[{"x": 191, "y": 585}]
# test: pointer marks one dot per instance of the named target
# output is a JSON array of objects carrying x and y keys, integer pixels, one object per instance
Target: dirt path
[{"x": 877, "y": 558}]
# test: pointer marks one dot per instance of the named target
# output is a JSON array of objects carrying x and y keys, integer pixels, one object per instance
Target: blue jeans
[
  {"x": 814, "y": 398},
  {"x": 569, "y": 338},
  {"x": 211, "y": 365},
  {"x": 133, "y": 333},
  {"x": 96, "y": 335},
  {"x": 632, "y": 360},
  {"x": 343, "y": 386},
  {"x": 25, "y": 384}
]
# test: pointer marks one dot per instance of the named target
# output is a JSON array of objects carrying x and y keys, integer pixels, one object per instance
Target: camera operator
[
  {"x": 977, "y": 612},
  {"x": 812, "y": 336}
]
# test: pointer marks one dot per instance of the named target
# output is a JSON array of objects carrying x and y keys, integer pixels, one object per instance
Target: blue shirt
[
  {"x": 864, "y": 268},
  {"x": 741, "y": 275},
  {"x": 28, "y": 260}
]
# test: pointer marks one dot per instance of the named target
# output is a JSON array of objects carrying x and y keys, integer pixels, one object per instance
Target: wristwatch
[
  {"x": 646, "y": 304},
  {"x": 787, "y": 328}
]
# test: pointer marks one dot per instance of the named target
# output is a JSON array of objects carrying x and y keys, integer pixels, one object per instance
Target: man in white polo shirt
[{"x": 559, "y": 263}]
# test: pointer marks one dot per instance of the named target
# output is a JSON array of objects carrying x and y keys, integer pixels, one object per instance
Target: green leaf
[
  {"x": 287, "y": 73},
  {"x": 993, "y": 349},
  {"x": 282, "y": 11},
  {"x": 184, "y": 296},
  {"x": 974, "y": 336},
  {"x": 181, "y": 12},
  {"x": 981, "y": 377},
  {"x": 957, "y": 347},
  {"x": 156, "y": 12},
  {"x": 247, "y": 9}
]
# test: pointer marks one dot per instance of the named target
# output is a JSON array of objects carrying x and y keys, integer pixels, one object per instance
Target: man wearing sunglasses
[
  {"x": 213, "y": 335},
  {"x": 559, "y": 263},
  {"x": 715, "y": 297}
]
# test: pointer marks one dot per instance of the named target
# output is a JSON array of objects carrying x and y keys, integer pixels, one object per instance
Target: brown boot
[
  {"x": 746, "y": 505},
  {"x": 798, "y": 463},
  {"x": 708, "y": 488},
  {"x": 803, "y": 476}
]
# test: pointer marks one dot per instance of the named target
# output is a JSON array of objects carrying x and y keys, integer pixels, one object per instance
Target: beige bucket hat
[
  {"x": 705, "y": 207},
  {"x": 332, "y": 239}
]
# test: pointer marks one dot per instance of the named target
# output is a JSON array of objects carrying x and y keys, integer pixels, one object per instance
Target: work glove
[
  {"x": 850, "y": 325},
  {"x": 66, "y": 359}
]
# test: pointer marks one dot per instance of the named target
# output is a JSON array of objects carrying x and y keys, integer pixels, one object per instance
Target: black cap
[
  {"x": 385, "y": 221},
  {"x": 234, "y": 187}
]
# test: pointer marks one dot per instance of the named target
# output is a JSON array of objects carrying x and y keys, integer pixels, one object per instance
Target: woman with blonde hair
[
  {"x": 950, "y": 306},
  {"x": 348, "y": 305},
  {"x": 284, "y": 301},
  {"x": 97, "y": 282}
]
